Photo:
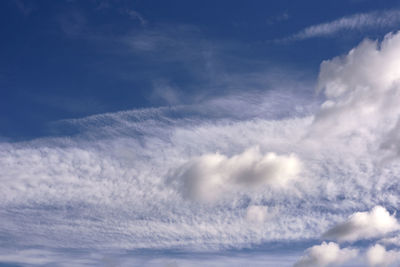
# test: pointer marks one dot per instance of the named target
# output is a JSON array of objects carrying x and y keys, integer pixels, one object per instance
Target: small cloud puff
[
  {"x": 206, "y": 177},
  {"x": 364, "y": 225},
  {"x": 256, "y": 214},
  {"x": 378, "y": 256},
  {"x": 326, "y": 254}
]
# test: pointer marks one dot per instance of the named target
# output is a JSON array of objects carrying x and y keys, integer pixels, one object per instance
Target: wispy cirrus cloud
[
  {"x": 133, "y": 14},
  {"x": 356, "y": 22}
]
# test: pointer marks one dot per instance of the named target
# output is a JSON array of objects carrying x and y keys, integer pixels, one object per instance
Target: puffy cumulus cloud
[
  {"x": 326, "y": 254},
  {"x": 362, "y": 88},
  {"x": 364, "y": 225},
  {"x": 207, "y": 176},
  {"x": 378, "y": 256}
]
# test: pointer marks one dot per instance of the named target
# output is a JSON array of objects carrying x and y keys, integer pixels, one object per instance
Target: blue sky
[{"x": 208, "y": 133}]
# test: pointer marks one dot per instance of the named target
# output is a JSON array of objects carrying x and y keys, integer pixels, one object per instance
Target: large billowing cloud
[
  {"x": 378, "y": 256},
  {"x": 207, "y": 176},
  {"x": 364, "y": 225},
  {"x": 326, "y": 254},
  {"x": 362, "y": 89}
]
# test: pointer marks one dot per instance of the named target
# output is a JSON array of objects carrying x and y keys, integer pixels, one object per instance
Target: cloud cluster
[
  {"x": 326, "y": 254},
  {"x": 364, "y": 225},
  {"x": 209, "y": 175},
  {"x": 362, "y": 88},
  {"x": 359, "y": 226}
]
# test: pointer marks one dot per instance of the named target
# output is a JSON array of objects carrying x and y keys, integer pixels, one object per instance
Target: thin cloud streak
[{"x": 356, "y": 22}]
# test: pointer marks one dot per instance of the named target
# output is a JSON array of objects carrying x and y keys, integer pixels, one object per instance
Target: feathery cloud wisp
[{"x": 362, "y": 21}]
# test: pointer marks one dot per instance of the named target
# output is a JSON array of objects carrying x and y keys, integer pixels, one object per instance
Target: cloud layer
[{"x": 273, "y": 173}]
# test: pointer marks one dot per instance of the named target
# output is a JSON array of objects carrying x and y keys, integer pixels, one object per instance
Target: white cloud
[
  {"x": 364, "y": 225},
  {"x": 208, "y": 176},
  {"x": 362, "y": 21},
  {"x": 391, "y": 143},
  {"x": 362, "y": 89},
  {"x": 378, "y": 256},
  {"x": 133, "y": 14},
  {"x": 256, "y": 214},
  {"x": 326, "y": 254},
  {"x": 106, "y": 188},
  {"x": 391, "y": 240}
]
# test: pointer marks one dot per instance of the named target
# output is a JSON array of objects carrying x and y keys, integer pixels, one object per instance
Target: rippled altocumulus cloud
[{"x": 123, "y": 182}]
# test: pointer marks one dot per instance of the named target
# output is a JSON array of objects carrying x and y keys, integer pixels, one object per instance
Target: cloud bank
[{"x": 274, "y": 173}]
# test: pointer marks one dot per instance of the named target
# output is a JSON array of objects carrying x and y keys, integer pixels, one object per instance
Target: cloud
[
  {"x": 165, "y": 93},
  {"x": 256, "y": 214},
  {"x": 25, "y": 8},
  {"x": 378, "y": 256},
  {"x": 362, "y": 21},
  {"x": 362, "y": 89},
  {"x": 326, "y": 254},
  {"x": 391, "y": 240},
  {"x": 106, "y": 187},
  {"x": 364, "y": 225},
  {"x": 136, "y": 16},
  {"x": 278, "y": 18},
  {"x": 74, "y": 24},
  {"x": 391, "y": 142},
  {"x": 208, "y": 176},
  {"x": 43, "y": 257}
]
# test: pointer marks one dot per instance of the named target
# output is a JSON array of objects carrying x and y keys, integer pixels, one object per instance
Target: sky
[{"x": 200, "y": 133}]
